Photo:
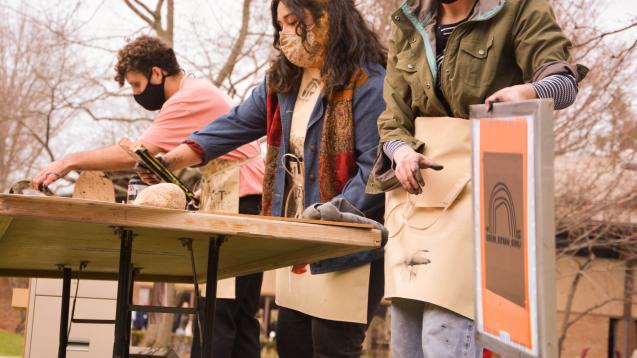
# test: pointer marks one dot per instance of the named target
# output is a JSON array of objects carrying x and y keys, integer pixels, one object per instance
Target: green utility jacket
[{"x": 504, "y": 43}]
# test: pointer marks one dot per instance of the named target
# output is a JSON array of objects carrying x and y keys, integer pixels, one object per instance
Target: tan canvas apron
[
  {"x": 429, "y": 255},
  {"x": 220, "y": 194},
  {"x": 338, "y": 296}
]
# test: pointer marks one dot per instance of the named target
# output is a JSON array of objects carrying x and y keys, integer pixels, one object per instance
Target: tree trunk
[
  {"x": 154, "y": 19},
  {"x": 164, "y": 334},
  {"x": 159, "y": 332},
  {"x": 569, "y": 303},
  {"x": 628, "y": 325},
  {"x": 228, "y": 67}
]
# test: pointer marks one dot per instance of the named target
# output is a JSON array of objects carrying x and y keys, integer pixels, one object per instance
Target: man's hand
[
  {"x": 408, "y": 165},
  {"x": 146, "y": 175},
  {"x": 50, "y": 173},
  {"x": 178, "y": 158},
  {"x": 513, "y": 93}
]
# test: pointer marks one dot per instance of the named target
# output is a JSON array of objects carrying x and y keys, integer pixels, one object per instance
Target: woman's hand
[
  {"x": 513, "y": 93},
  {"x": 408, "y": 165}
]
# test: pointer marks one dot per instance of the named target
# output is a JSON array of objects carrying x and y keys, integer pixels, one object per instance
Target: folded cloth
[{"x": 339, "y": 209}]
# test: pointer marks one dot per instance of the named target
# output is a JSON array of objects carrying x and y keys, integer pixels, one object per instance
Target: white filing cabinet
[{"x": 96, "y": 300}]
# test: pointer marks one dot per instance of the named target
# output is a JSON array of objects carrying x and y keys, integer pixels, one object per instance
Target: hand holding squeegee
[{"x": 154, "y": 164}]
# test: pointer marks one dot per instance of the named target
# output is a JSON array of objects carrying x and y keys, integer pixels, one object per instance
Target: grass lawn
[{"x": 11, "y": 344}]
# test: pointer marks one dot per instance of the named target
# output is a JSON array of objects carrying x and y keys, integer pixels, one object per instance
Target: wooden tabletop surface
[{"x": 39, "y": 233}]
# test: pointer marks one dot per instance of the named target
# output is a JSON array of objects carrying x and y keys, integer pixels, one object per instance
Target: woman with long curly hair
[{"x": 318, "y": 108}]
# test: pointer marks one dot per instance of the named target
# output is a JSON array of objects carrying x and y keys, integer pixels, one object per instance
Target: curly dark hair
[
  {"x": 144, "y": 53},
  {"x": 352, "y": 44}
]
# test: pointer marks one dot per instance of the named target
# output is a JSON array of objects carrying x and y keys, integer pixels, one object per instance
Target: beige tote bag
[{"x": 220, "y": 194}]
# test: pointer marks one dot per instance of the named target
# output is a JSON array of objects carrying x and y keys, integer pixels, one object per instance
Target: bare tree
[
  {"x": 153, "y": 17},
  {"x": 37, "y": 70},
  {"x": 228, "y": 59},
  {"x": 234, "y": 60},
  {"x": 378, "y": 13},
  {"x": 596, "y": 142},
  {"x": 237, "y": 47},
  {"x": 37, "y": 74}
]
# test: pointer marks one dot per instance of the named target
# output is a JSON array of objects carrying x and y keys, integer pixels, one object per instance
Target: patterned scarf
[{"x": 337, "y": 161}]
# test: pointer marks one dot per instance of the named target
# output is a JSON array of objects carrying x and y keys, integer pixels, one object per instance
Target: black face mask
[{"x": 153, "y": 96}]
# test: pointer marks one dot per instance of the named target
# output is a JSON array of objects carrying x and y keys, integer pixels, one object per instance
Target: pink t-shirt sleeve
[
  {"x": 195, "y": 105},
  {"x": 169, "y": 128},
  {"x": 192, "y": 108}
]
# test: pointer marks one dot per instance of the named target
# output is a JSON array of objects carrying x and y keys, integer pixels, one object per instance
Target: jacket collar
[{"x": 424, "y": 8}]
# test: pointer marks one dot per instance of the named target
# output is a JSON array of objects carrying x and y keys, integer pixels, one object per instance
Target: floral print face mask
[{"x": 294, "y": 50}]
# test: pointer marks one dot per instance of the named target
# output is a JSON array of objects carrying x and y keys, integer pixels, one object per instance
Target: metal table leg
[
  {"x": 64, "y": 312},
  {"x": 122, "y": 332},
  {"x": 211, "y": 296},
  {"x": 129, "y": 301},
  {"x": 195, "y": 347}
]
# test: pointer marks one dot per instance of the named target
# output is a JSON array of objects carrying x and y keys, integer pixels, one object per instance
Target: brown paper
[
  {"x": 220, "y": 193},
  {"x": 503, "y": 209},
  {"x": 220, "y": 187},
  {"x": 429, "y": 256},
  {"x": 337, "y": 296}
]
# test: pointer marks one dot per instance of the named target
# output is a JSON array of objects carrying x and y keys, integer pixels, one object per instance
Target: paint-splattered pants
[{"x": 424, "y": 330}]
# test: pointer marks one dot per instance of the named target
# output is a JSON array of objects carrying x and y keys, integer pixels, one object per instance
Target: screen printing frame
[{"x": 536, "y": 118}]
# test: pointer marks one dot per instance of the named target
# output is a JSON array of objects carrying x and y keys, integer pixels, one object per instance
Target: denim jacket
[{"x": 247, "y": 122}]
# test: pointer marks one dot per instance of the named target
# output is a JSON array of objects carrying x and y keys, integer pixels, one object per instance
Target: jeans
[
  {"x": 424, "y": 330},
  {"x": 302, "y": 336}
]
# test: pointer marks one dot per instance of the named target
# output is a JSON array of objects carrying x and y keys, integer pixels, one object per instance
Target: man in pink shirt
[{"x": 185, "y": 105}]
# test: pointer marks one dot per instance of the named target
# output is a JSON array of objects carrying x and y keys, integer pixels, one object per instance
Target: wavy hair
[
  {"x": 144, "y": 53},
  {"x": 352, "y": 44}
]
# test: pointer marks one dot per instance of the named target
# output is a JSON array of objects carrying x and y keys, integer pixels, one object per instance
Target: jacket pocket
[
  {"x": 408, "y": 68},
  {"x": 473, "y": 63},
  {"x": 406, "y": 64}
]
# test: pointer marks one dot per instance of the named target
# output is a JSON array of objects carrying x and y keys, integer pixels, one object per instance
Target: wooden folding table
[{"x": 63, "y": 238}]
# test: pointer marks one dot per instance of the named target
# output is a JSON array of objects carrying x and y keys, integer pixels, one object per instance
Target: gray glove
[{"x": 339, "y": 209}]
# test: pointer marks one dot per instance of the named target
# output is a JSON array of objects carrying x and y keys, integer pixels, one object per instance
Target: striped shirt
[
  {"x": 561, "y": 87},
  {"x": 442, "y": 36}
]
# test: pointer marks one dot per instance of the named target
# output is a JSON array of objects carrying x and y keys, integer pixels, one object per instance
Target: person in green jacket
[{"x": 445, "y": 55}]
